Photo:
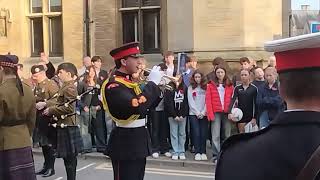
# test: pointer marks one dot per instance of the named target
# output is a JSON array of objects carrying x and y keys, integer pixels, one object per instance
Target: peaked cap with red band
[
  {"x": 130, "y": 49},
  {"x": 295, "y": 53}
]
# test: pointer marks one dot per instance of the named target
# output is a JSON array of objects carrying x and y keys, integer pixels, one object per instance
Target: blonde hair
[{"x": 272, "y": 69}]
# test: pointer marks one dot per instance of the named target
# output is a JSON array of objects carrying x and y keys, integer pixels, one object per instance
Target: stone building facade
[
  {"x": 51, "y": 26},
  {"x": 205, "y": 28},
  {"x": 67, "y": 30}
]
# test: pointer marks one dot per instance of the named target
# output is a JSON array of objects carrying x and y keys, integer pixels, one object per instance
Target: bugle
[
  {"x": 171, "y": 78},
  {"x": 165, "y": 86}
]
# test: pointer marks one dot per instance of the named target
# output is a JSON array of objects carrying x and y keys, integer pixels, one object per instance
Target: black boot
[
  {"x": 51, "y": 158},
  {"x": 41, "y": 171},
  {"x": 48, "y": 173},
  {"x": 71, "y": 167},
  {"x": 50, "y": 162},
  {"x": 45, "y": 152}
]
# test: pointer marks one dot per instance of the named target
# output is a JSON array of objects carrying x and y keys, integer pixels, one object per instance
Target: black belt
[{"x": 12, "y": 123}]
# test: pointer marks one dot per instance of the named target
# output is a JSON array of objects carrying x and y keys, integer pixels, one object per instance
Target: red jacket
[{"x": 213, "y": 103}]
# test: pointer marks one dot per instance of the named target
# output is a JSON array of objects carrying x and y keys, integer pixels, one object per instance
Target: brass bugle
[
  {"x": 171, "y": 78},
  {"x": 165, "y": 86}
]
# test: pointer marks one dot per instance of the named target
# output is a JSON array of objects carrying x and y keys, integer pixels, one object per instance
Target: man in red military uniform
[{"x": 127, "y": 105}]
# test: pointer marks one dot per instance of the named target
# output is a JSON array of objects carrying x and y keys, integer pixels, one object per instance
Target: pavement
[
  {"x": 161, "y": 161},
  {"x": 99, "y": 167}
]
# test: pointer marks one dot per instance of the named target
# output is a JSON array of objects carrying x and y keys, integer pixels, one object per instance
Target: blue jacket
[
  {"x": 269, "y": 99},
  {"x": 186, "y": 76}
]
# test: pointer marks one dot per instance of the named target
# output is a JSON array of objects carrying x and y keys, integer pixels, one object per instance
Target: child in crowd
[
  {"x": 246, "y": 95},
  {"x": 218, "y": 99},
  {"x": 198, "y": 116},
  {"x": 176, "y": 105}
]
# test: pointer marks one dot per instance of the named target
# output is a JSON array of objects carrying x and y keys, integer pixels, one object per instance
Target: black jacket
[
  {"x": 246, "y": 101},
  {"x": 277, "y": 152},
  {"x": 129, "y": 143},
  {"x": 90, "y": 99},
  {"x": 102, "y": 76},
  {"x": 269, "y": 99},
  {"x": 51, "y": 71},
  {"x": 176, "y": 102}
]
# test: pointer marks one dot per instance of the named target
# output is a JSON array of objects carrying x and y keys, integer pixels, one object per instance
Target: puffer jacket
[{"x": 213, "y": 103}]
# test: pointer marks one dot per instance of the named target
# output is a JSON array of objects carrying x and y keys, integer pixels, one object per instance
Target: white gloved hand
[
  {"x": 155, "y": 75},
  {"x": 41, "y": 105}
]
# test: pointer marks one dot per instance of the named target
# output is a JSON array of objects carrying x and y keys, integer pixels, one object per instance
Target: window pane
[
  {"x": 56, "y": 43},
  {"x": 151, "y": 2},
  {"x": 130, "y": 27},
  {"x": 36, "y": 6},
  {"x": 3, "y": 27},
  {"x": 130, "y": 3},
  {"x": 151, "y": 31},
  {"x": 37, "y": 36},
  {"x": 55, "y": 5}
]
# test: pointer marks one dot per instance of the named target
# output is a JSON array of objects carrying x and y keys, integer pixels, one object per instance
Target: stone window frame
[
  {"x": 46, "y": 15},
  {"x": 139, "y": 10},
  {"x": 3, "y": 21}
]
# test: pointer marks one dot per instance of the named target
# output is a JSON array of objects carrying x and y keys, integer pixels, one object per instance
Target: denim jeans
[
  {"x": 178, "y": 135},
  {"x": 199, "y": 129},
  {"x": 85, "y": 127},
  {"x": 264, "y": 120},
  {"x": 220, "y": 130}
]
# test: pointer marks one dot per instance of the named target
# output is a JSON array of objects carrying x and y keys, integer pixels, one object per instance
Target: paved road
[{"x": 89, "y": 169}]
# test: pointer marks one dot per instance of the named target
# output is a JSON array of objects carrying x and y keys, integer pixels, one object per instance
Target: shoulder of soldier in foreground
[
  {"x": 234, "y": 140},
  {"x": 28, "y": 91},
  {"x": 7, "y": 85},
  {"x": 27, "y": 83}
]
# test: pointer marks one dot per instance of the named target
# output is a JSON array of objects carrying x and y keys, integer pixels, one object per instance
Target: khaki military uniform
[
  {"x": 66, "y": 93},
  {"x": 27, "y": 81},
  {"x": 68, "y": 139},
  {"x": 17, "y": 115},
  {"x": 45, "y": 90},
  {"x": 17, "y": 121}
]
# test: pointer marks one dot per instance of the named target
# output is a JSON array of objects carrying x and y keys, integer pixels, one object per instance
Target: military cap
[
  {"x": 126, "y": 50},
  {"x": 37, "y": 68},
  {"x": 9, "y": 60},
  {"x": 296, "y": 53}
]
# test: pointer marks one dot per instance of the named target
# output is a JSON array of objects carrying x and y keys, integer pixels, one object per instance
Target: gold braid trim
[{"x": 130, "y": 85}]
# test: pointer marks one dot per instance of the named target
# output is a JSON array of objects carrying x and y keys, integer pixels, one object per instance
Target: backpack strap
[{"x": 311, "y": 168}]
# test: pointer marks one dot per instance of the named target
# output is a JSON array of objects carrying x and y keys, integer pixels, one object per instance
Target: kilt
[
  {"x": 17, "y": 164},
  {"x": 69, "y": 142},
  {"x": 43, "y": 131},
  {"x": 40, "y": 138}
]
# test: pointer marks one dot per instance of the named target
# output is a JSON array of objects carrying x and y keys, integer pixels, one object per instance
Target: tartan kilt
[
  {"x": 42, "y": 130},
  {"x": 17, "y": 164},
  {"x": 69, "y": 142}
]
